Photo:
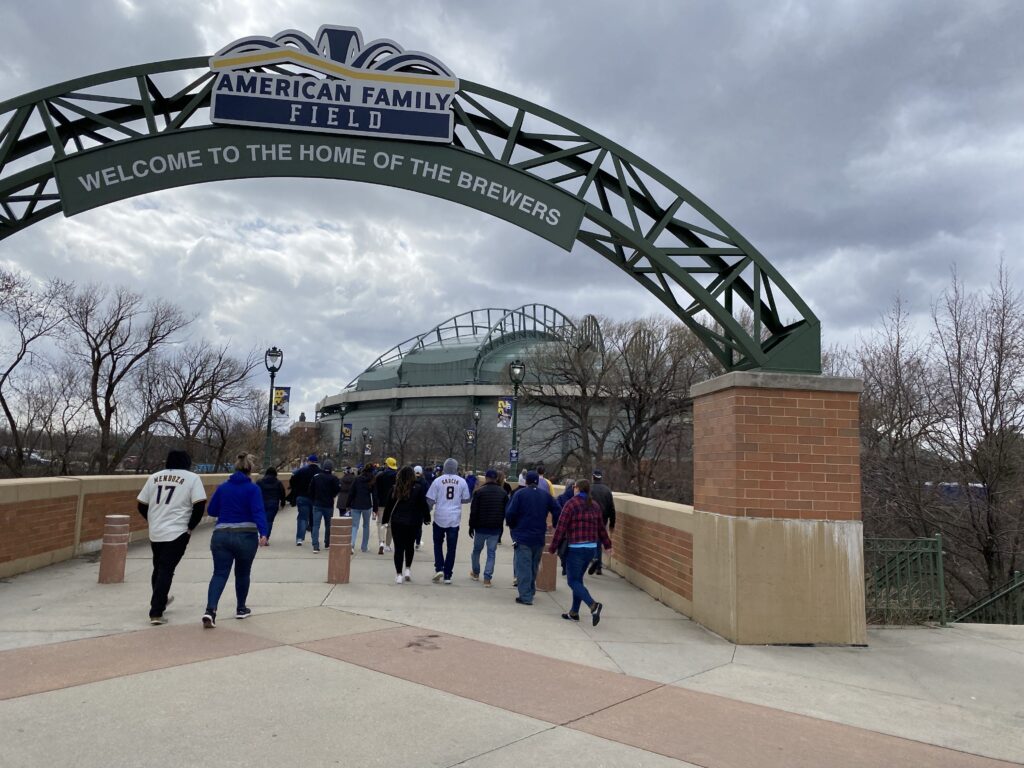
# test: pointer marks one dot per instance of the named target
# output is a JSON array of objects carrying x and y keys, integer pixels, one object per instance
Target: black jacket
[
  {"x": 602, "y": 494},
  {"x": 324, "y": 488},
  {"x": 411, "y": 511},
  {"x": 383, "y": 484},
  {"x": 487, "y": 508},
  {"x": 346, "y": 481},
  {"x": 273, "y": 492},
  {"x": 301, "y": 478},
  {"x": 362, "y": 495}
]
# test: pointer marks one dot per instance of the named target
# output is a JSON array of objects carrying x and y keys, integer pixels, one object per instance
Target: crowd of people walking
[{"x": 401, "y": 501}]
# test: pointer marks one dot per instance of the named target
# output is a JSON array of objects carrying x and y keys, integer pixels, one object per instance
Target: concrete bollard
[
  {"x": 547, "y": 575},
  {"x": 116, "y": 530},
  {"x": 339, "y": 561}
]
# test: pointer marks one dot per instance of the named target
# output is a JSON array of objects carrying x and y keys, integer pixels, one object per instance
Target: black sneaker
[
  {"x": 210, "y": 619},
  {"x": 595, "y": 613},
  {"x": 592, "y": 568},
  {"x": 241, "y": 613},
  {"x": 522, "y": 602}
]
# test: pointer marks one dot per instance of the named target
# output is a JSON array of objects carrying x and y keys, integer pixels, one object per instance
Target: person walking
[
  {"x": 362, "y": 500},
  {"x": 405, "y": 513},
  {"x": 323, "y": 489},
  {"x": 240, "y": 530},
  {"x": 471, "y": 482},
  {"x": 562, "y": 499},
  {"x": 508, "y": 492},
  {"x": 298, "y": 492},
  {"x": 420, "y": 480},
  {"x": 581, "y": 525},
  {"x": 446, "y": 496},
  {"x": 486, "y": 520},
  {"x": 172, "y": 502},
  {"x": 602, "y": 494},
  {"x": 383, "y": 484},
  {"x": 527, "y": 516},
  {"x": 274, "y": 497}
]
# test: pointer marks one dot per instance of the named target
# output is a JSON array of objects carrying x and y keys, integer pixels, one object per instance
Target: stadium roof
[{"x": 472, "y": 347}]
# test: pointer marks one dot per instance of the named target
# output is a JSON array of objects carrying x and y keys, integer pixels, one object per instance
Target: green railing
[
  {"x": 904, "y": 581},
  {"x": 1004, "y": 605}
]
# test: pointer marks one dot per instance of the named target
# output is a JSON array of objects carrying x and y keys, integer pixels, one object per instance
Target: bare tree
[
  {"x": 31, "y": 315},
  {"x": 118, "y": 338}
]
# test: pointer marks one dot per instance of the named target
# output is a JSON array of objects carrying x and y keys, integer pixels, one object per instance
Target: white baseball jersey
[
  {"x": 449, "y": 493},
  {"x": 170, "y": 494}
]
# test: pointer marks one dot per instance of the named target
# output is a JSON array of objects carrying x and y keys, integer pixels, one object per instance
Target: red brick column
[
  {"x": 116, "y": 530},
  {"x": 778, "y": 545},
  {"x": 547, "y": 575},
  {"x": 339, "y": 558}
]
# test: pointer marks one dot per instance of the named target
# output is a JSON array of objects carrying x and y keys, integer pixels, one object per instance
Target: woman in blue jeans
[
  {"x": 581, "y": 526},
  {"x": 241, "y": 528}
]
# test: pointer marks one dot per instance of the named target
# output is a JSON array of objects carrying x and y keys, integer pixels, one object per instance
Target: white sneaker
[
  {"x": 388, "y": 549},
  {"x": 399, "y": 579},
  {"x": 380, "y": 550},
  {"x": 353, "y": 550},
  {"x": 408, "y": 575},
  {"x": 447, "y": 581},
  {"x": 417, "y": 546},
  {"x": 438, "y": 576}
]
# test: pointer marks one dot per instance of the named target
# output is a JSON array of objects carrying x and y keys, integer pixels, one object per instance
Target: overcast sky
[{"x": 863, "y": 147}]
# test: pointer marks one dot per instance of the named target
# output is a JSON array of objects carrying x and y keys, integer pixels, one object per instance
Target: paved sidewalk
[{"x": 374, "y": 673}]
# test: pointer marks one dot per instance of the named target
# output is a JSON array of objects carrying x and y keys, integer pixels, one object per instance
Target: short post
[
  {"x": 339, "y": 560},
  {"x": 546, "y": 576},
  {"x": 116, "y": 530}
]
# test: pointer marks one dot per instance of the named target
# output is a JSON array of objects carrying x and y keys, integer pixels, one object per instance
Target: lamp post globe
[
  {"x": 273, "y": 359},
  {"x": 517, "y": 373}
]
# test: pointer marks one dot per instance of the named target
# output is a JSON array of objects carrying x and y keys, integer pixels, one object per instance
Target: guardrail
[
  {"x": 1004, "y": 605},
  {"x": 904, "y": 581}
]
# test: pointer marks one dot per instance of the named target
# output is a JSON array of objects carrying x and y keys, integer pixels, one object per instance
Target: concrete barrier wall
[{"x": 47, "y": 520}]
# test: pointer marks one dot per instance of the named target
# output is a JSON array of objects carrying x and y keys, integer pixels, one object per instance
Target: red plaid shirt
[{"x": 580, "y": 522}]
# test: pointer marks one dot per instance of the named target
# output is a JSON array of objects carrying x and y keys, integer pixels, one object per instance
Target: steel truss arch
[{"x": 638, "y": 218}]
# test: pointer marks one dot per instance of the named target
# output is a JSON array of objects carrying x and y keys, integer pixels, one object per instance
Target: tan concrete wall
[{"x": 760, "y": 581}]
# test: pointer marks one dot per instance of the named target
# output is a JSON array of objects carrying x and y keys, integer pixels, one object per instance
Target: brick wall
[
  {"x": 777, "y": 453},
  {"x": 37, "y": 527},
  {"x": 39, "y": 517},
  {"x": 660, "y": 552}
]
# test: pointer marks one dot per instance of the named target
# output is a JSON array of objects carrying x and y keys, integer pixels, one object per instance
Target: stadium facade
[{"x": 416, "y": 401}]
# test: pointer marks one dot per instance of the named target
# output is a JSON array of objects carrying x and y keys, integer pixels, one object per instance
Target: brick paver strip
[
  {"x": 41, "y": 668},
  {"x": 525, "y": 683},
  {"x": 717, "y": 732},
  {"x": 696, "y": 727}
]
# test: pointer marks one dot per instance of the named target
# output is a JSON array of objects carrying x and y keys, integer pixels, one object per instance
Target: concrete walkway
[{"x": 374, "y": 673}]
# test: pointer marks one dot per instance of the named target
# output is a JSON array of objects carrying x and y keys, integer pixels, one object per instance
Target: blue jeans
[
  {"x": 445, "y": 561},
  {"x": 479, "y": 540},
  {"x": 229, "y": 548},
  {"x": 526, "y": 563},
  {"x": 324, "y": 514},
  {"x": 364, "y": 515},
  {"x": 576, "y": 561},
  {"x": 305, "y": 505}
]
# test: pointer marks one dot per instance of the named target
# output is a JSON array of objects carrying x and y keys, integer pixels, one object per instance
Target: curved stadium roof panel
[{"x": 470, "y": 347}]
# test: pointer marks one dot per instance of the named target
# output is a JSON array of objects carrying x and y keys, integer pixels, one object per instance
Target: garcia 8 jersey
[{"x": 448, "y": 493}]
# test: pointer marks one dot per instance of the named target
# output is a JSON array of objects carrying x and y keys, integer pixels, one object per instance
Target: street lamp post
[
  {"x": 516, "y": 372},
  {"x": 476, "y": 435},
  {"x": 366, "y": 435},
  {"x": 273, "y": 359}
]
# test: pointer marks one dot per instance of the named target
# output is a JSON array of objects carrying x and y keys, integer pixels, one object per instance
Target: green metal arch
[{"x": 636, "y": 216}]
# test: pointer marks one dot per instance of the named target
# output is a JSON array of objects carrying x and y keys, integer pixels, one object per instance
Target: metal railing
[
  {"x": 1004, "y": 605},
  {"x": 904, "y": 582}
]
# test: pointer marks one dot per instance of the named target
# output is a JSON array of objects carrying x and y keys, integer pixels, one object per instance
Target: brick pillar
[
  {"x": 116, "y": 530},
  {"x": 339, "y": 557},
  {"x": 547, "y": 575},
  {"x": 778, "y": 544}
]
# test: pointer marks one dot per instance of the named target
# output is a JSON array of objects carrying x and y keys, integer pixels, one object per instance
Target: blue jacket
[
  {"x": 527, "y": 515},
  {"x": 238, "y": 500}
]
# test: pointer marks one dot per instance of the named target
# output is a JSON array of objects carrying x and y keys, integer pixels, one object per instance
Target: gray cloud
[{"x": 863, "y": 148}]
